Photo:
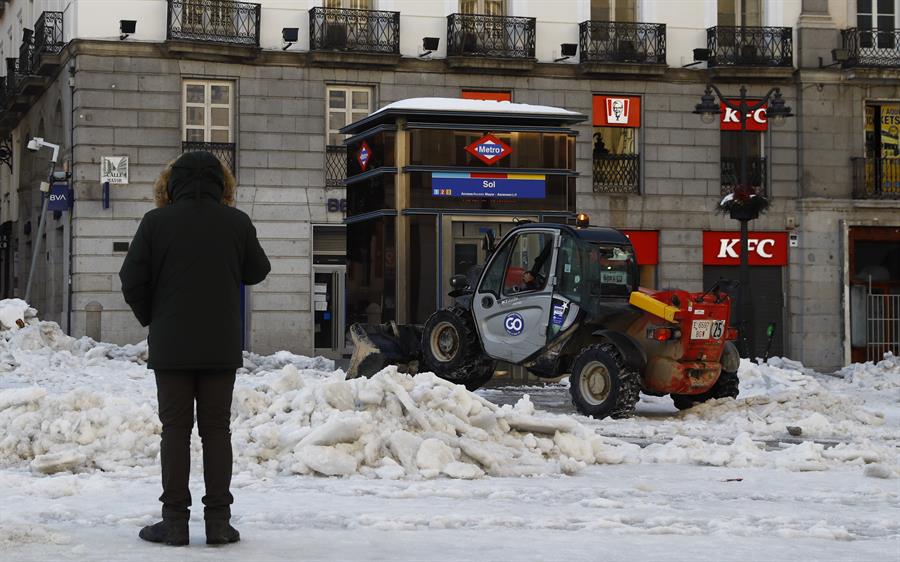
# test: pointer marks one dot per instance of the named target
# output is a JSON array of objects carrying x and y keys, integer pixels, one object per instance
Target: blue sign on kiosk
[
  {"x": 60, "y": 197},
  {"x": 488, "y": 186}
]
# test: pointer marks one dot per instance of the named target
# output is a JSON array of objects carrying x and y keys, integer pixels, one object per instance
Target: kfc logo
[
  {"x": 728, "y": 248},
  {"x": 757, "y": 119},
  {"x": 617, "y": 110},
  {"x": 763, "y": 248}
]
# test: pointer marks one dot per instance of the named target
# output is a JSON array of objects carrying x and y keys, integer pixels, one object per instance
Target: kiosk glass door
[
  {"x": 462, "y": 249},
  {"x": 328, "y": 310}
]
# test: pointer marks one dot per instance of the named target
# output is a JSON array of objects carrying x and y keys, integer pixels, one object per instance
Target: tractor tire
[
  {"x": 602, "y": 385},
  {"x": 726, "y": 386},
  {"x": 451, "y": 350}
]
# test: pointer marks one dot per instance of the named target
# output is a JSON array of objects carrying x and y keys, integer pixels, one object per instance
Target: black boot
[
  {"x": 219, "y": 531},
  {"x": 173, "y": 532}
]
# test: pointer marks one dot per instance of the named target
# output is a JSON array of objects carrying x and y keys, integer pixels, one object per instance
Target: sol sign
[
  {"x": 764, "y": 248},
  {"x": 730, "y": 120}
]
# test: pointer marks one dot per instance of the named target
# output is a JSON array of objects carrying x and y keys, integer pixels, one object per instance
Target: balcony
[
  {"x": 213, "y": 27},
  {"x": 490, "y": 42},
  {"x": 617, "y": 173},
  {"x": 768, "y": 51},
  {"x": 20, "y": 83},
  {"x": 354, "y": 36},
  {"x": 756, "y": 174},
  {"x": 48, "y": 43},
  {"x": 335, "y": 165},
  {"x": 876, "y": 178},
  {"x": 871, "y": 47},
  {"x": 225, "y": 151},
  {"x": 621, "y": 47}
]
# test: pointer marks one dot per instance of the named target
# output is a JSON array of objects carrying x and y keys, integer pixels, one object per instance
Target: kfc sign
[
  {"x": 730, "y": 119},
  {"x": 617, "y": 111},
  {"x": 645, "y": 244},
  {"x": 764, "y": 248}
]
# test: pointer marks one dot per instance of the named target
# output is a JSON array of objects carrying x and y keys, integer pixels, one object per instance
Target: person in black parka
[{"x": 182, "y": 277}]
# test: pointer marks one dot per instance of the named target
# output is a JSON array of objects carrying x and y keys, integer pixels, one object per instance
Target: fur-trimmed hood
[{"x": 195, "y": 175}]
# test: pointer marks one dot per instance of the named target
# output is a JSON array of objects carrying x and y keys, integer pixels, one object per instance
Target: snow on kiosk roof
[{"x": 464, "y": 110}]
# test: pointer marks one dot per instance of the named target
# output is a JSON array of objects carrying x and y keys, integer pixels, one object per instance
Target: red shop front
[
  {"x": 646, "y": 249},
  {"x": 767, "y": 257}
]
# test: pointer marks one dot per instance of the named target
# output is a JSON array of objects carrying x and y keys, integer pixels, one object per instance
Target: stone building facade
[{"x": 274, "y": 114}]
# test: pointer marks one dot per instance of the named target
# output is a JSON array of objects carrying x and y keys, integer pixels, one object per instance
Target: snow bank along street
[{"x": 413, "y": 467}]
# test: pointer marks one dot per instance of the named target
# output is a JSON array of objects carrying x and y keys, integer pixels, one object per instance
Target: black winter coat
[{"x": 184, "y": 270}]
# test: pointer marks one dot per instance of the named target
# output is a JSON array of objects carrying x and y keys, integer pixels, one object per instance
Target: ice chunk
[{"x": 434, "y": 454}]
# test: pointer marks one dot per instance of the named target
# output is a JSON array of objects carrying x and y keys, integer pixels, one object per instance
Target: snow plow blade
[{"x": 379, "y": 345}]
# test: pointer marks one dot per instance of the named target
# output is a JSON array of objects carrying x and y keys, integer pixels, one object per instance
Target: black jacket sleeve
[
  {"x": 137, "y": 275},
  {"x": 256, "y": 265}
]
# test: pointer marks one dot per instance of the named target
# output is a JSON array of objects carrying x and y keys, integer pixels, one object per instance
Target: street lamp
[
  {"x": 744, "y": 203},
  {"x": 34, "y": 145}
]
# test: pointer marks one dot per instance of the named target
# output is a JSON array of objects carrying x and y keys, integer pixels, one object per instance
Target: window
[
  {"x": 493, "y": 279},
  {"x": 529, "y": 263},
  {"x": 616, "y": 143},
  {"x": 349, "y": 4},
  {"x": 614, "y": 10},
  {"x": 880, "y": 18},
  {"x": 731, "y": 160},
  {"x": 486, "y": 95},
  {"x": 483, "y": 7},
  {"x": 732, "y": 13},
  {"x": 208, "y": 111},
  {"x": 346, "y": 104}
]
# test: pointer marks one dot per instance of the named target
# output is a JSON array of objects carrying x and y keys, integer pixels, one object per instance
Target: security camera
[{"x": 38, "y": 143}]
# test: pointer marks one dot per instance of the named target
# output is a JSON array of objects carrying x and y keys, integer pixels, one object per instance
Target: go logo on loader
[{"x": 514, "y": 324}]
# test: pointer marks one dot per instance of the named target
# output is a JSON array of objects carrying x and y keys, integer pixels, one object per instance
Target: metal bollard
[{"x": 92, "y": 323}]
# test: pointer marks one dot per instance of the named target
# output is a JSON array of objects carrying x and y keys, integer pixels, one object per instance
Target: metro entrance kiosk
[{"x": 428, "y": 177}]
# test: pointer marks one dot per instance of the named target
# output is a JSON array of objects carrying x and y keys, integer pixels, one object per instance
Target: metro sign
[
  {"x": 730, "y": 119},
  {"x": 764, "y": 248},
  {"x": 363, "y": 155},
  {"x": 489, "y": 149}
]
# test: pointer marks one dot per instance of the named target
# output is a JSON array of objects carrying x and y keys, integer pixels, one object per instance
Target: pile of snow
[{"x": 70, "y": 405}]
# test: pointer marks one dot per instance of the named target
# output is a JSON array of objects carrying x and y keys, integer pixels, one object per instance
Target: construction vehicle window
[
  {"x": 493, "y": 279},
  {"x": 568, "y": 270},
  {"x": 610, "y": 269},
  {"x": 529, "y": 263}
]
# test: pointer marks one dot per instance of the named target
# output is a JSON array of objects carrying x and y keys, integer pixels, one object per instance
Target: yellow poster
[{"x": 890, "y": 131}]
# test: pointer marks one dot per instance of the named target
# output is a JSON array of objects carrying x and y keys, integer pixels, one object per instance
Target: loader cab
[{"x": 543, "y": 278}]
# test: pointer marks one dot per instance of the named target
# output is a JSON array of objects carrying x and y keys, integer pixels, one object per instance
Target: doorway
[
  {"x": 328, "y": 310},
  {"x": 767, "y": 296},
  {"x": 462, "y": 250}
]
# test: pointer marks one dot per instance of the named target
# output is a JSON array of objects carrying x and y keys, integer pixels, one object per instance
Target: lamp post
[{"x": 744, "y": 204}]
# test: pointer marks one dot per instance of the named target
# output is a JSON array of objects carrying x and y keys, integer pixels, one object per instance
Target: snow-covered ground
[{"x": 414, "y": 468}]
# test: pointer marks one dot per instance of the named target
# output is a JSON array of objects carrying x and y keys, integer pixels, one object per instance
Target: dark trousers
[{"x": 177, "y": 391}]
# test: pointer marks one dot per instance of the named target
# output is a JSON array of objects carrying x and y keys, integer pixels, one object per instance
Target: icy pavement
[{"x": 414, "y": 468}]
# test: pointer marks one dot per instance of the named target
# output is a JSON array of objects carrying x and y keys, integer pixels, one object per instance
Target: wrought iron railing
[
  {"x": 876, "y": 178},
  {"x": 475, "y": 35},
  {"x": 48, "y": 35},
  {"x": 335, "y": 165},
  {"x": 12, "y": 71},
  {"x": 750, "y": 46},
  {"x": 756, "y": 174},
  {"x": 215, "y": 21},
  {"x": 617, "y": 173},
  {"x": 871, "y": 47},
  {"x": 225, "y": 151},
  {"x": 609, "y": 41},
  {"x": 365, "y": 31},
  {"x": 26, "y": 52}
]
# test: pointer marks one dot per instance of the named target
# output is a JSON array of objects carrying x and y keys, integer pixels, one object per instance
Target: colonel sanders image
[{"x": 617, "y": 111}]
